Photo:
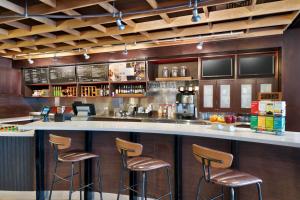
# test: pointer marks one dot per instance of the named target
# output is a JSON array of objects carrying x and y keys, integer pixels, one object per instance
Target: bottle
[{"x": 159, "y": 112}]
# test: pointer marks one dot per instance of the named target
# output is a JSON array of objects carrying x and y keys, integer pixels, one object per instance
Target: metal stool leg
[
  {"x": 223, "y": 193},
  {"x": 259, "y": 191},
  {"x": 143, "y": 185},
  {"x": 80, "y": 180},
  {"x": 170, "y": 184},
  {"x": 53, "y": 181},
  {"x": 146, "y": 184},
  {"x": 71, "y": 182},
  {"x": 121, "y": 183},
  {"x": 199, "y": 188},
  {"x": 232, "y": 194},
  {"x": 99, "y": 178}
]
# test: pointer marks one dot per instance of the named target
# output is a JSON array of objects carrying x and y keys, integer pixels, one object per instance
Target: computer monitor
[
  {"x": 88, "y": 108},
  {"x": 76, "y": 103}
]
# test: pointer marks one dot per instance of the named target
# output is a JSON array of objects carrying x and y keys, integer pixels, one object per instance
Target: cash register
[{"x": 83, "y": 111}]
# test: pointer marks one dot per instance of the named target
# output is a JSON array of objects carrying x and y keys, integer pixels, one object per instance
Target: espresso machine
[{"x": 186, "y": 103}]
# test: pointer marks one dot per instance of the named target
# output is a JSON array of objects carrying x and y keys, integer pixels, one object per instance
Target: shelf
[
  {"x": 175, "y": 79},
  {"x": 37, "y": 84},
  {"x": 93, "y": 83},
  {"x": 59, "y": 84},
  {"x": 130, "y": 95},
  {"x": 127, "y": 82}
]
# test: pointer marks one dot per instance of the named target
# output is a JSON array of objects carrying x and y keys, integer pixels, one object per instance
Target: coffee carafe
[{"x": 186, "y": 103}]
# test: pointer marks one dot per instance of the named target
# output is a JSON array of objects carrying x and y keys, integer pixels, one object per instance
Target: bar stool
[
  {"x": 133, "y": 161},
  {"x": 216, "y": 170},
  {"x": 71, "y": 157}
]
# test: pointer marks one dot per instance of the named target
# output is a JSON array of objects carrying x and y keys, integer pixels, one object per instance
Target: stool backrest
[
  {"x": 59, "y": 142},
  {"x": 131, "y": 149},
  {"x": 212, "y": 158}
]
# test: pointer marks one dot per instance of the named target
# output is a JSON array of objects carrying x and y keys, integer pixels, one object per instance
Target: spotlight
[
  {"x": 196, "y": 17},
  {"x": 119, "y": 22},
  {"x": 200, "y": 45},
  {"x": 86, "y": 55},
  {"x": 30, "y": 61},
  {"x": 125, "y": 52}
]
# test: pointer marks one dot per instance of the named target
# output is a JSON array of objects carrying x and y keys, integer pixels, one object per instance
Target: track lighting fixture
[
  {"x": 125, "y": 52},
  {"x": 119, "y": 22},
  {"x": 30, "y": 61},
  {"x": 196, "y": 17},
  {"x": 200, "y": 45},
  {"x": 86, "y": 55}
]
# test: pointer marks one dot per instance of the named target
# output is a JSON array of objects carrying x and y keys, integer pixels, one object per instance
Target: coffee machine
[{"x": 186, "y": 103}]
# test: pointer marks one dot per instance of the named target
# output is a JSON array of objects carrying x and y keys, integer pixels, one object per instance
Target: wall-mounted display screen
[
  {"x": 217, "y": 67},
  {"x": 257, "y": 65}
]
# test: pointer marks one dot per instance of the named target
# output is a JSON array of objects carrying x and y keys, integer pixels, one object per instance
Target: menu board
[
  {"x": 62, "y": 74},
  {"x": 92, "y": 73},
  {"x": 36, "y": 76},
  {"x": 127, "y": 71}
]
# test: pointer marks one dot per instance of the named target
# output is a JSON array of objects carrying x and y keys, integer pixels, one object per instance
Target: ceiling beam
[
  {"x": 111, "y": 9},
  {"x": 48, "y": 35},
  {"x": 3, "y": 31},
  {"x": 146, "y": 26},
  {"x": 153, "y": 45},
  {"x": 72, "y": 32},
  {"x": 72, "y": 43},
  {"x": 51, "y": 3},
  {"x": 19, "y": 25},
  {"x": 191, "y": 31},
  {"x": 12, "y": 6},
  {"x": 154, "y": 5},
  {"x": 235, "y": 13}
]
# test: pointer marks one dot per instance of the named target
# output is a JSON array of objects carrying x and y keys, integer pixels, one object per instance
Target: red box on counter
[{"x": 254, "y": 107}]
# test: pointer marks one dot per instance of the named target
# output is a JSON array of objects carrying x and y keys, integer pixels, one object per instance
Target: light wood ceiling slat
[
  {"x": 51, "y": 3},
  {"x": 242, "y": 12},
  {"x": 192, "y": 31}
]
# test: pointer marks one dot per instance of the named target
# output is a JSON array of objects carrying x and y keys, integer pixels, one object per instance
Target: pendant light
[{"x": 119, "y": 22}]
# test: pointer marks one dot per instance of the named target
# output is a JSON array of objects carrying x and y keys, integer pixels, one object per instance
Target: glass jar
[
  {"x": 183, "y": 71},
  {"x": 165, "y": 72},
  {"x": 174, "y": 71}
]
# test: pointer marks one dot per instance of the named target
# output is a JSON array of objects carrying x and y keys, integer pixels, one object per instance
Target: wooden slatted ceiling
[{"x": 39, "y": 35}]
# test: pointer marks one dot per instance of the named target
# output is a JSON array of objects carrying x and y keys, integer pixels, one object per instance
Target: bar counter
[
  {"x": 289, "y": 139},
  {"x": 255, "y": 153}
]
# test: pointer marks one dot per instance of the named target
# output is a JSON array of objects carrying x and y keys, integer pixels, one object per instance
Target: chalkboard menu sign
[
  {"x": 217, "y": 67},
  {"x": 65, "y": 74},
  {"x": 35, "y": 76},
  {"x": 92, "y": 73}
]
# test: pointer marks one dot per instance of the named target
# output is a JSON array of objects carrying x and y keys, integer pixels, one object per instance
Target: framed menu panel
[
  {"x": 92, "y": 73},
  {"x": 36, "y": 76},
  {"x": 127, "y": 71},
  {"x": 64, "y": 74}
]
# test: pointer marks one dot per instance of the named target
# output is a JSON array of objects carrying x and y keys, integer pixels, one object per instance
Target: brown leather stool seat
[
  {"x": 132, "y": 160},
  {"x": 75, "y": 156},
  {"x": 145, "y": 164},
  {"x": 233, "y": 178},
  {"x": 216, "y": 169}
]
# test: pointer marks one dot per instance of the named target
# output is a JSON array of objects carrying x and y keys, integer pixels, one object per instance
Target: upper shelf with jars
[{"x": 182, "y": 69}]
